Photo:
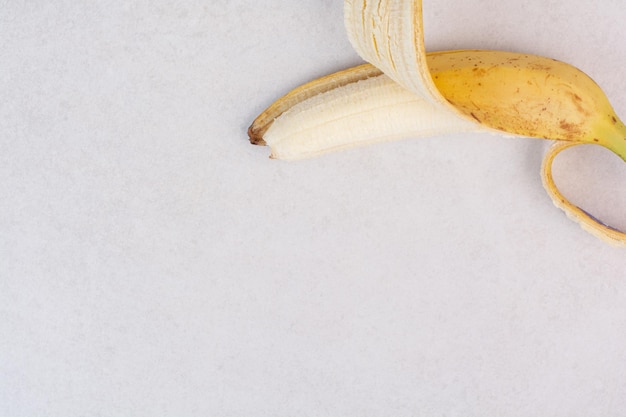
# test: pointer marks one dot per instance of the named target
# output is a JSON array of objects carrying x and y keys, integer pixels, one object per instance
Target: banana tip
[{"x": 256, "y": 137}]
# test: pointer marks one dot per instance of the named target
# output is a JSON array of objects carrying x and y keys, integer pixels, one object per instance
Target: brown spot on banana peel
[
  {"x": 569, "y": 128},
  {"x": 578, "y": 103}
]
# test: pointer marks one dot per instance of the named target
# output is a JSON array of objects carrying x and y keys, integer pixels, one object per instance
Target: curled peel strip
[
  {"x": 587, "y": 221},
  {"x": 405, "y": 92}
]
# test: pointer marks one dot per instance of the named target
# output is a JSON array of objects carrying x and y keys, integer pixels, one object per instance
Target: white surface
[{"x": 153, "y": 263}]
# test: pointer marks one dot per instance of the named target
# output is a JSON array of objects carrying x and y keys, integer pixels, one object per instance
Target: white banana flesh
[{"x": 363, "y": 112}]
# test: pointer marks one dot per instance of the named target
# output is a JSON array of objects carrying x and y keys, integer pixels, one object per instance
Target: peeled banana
[{"x": 405, "y": 92}]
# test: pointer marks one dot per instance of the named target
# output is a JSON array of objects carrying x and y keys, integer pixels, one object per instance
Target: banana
[{"x": 406, "y": 92}]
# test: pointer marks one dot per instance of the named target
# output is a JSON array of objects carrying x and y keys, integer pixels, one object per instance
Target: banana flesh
[
  {"x": 359, "y": 112},
  {"x": 322, "y": 85},
  {"x": 405, "y": 92}
]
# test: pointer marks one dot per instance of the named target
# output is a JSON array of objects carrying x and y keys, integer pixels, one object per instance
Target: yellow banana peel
[{"x": 405, "y": 92}]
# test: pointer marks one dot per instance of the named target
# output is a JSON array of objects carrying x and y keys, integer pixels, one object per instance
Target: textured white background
[{"x": 153, "y": 263}]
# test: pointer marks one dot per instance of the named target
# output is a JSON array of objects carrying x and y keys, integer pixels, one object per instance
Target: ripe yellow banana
[{"x": 406, "y": 92}]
